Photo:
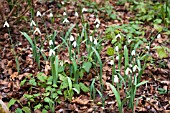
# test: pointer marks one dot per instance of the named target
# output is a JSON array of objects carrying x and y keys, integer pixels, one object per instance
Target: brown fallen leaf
[
  {"x": 3, "y": 107},
  {"x": 81, "y": 101}
]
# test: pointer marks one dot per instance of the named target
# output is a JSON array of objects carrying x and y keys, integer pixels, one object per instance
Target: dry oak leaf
[
  {"x": 14, "y": 75},
  {"x": 81, "y": 101}
]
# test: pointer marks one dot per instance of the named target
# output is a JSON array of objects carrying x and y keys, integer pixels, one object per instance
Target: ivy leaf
[
  {"x": 110, "y": 51},
  {"x": 87, "y": 66}
]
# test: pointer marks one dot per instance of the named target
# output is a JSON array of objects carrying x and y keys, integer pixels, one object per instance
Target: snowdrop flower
[
  {"x": 66, "y": 20},
  {"x": 118, "y": 36},
  {"x": 32, "y": 23},
  {"x": 117, "y": 48},
  {"x": 71, "y": 38},
  {"x": 117, "y": 57},
  {"x": 51, "y": 15},
  {"x": 50, "y": 42},
  {"x": 61, "y": 63},
  {"x": 6, "y": 24},
  {"x": 133, "y": 53},
  {"x": 97, "y": 21},
  {"x": 76, "y": 14},
  {"x": 116, "y": 79},
  {"x": 74, "y": 44},
  {"x": 111, "y": 62},
  {"x": 127, "y": 71},
  {"x": 129, "y": 41},
  {"x": 158, "y": 36},
  {"x": 62, "y": 3},
  {"x": 130, "y": 65},
  {"x": 38, "y": 14},
  {"x": 64, "y": 14},
  {"x": 37, "y": 30},
  {"x": 52, "y": 52},
  {"x": 84, "y": 10},
  {"x": 97, "y": 25},
  {"x": 95, "y": 41},
  {"x": 147, "y": 47},
  {"x": 91, "y": 39},
  {"x": 135, "y": 67}
]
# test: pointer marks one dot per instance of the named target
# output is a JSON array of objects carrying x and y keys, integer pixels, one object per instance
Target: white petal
[
  {"x": 52, "y": 52},
  {"x": 111, "y": 62},
  {"x": 32, "y": 23},
  {"x": 147, "y": 47},
  {"x": 51, "y": 15},
  {"x": 97, "y": 25},
  {"x": 158, "y": 36},
  {"x": 76, "y": 14},
  {"x": 38, "y": 14},
  {"x": 64, "y": 14},
  {"x": 118, "y": 36},
  {"x": 71, "y": 38},
  {"x": 128, "y": 70},
  {"x": 37, "y": 30},
  {"x": 66, "y": 20},
  {"x": 116, "y": 79},
  {"x": 133, "y": 53},
  {"x": 91, "y": 39},
  {"x": 117, "y": 48},
  {"x": 135, "y": 67},
  {"x": 95, "y": 41},
  {"x": 84, "y": 10},
  {"x": 117, "y": 57},
  {"x": 129, "y": 41},
  {"x": 6, "y": 24},
  {"x": 97, "y": 21},
  {"x": 50, "y": 42},
  {"x": 62, "y": 3},
  {"x": 74, "y": 44}
]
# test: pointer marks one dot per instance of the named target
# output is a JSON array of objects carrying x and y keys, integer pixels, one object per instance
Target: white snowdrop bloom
[
  {"x": 135, "y": 67},
  {"x": 64, "y": 14},
  {"x": 38, "y": 14},
  {"x": 76, "y": 14},
  {"x": 117, "y": 48},
  {"x": 147, "y": 47},
  {"x": 91, "y": 39},
  {"x": 51, "y": 15},
  {"x": 133, "y": 53},
  {"x": 97, "y": 25},
  {"x": 71, "y": 38},
  {"x": 118, "y": 36},
  {"x": 84, "y": 10},
  {"x": 52, "y": 52},
  {"x": 32, "y": 23},
  {"x": 6, "y": 24},
  {"x": 74, "y": 44},
  {"x": 111, "y": 62},
  {"x": 158, "y": 36},
  {"x": 62, "y": 3},
  {"x": 129, "y": 41},
  {"x": 116, "y": 79},
  {"x": 66, "y": 20},
  {"x": 95, "y": 41},
  {"x": 128, "y": 70},
  {"x": 130, "y": 65},
  {"x": 61, "y": 63},
  {"x": 97, "y": 21},
  {"x": 37, "y": 30},
  {"x": 50, "y": 42},
  {"x": 117, "y": 57}
]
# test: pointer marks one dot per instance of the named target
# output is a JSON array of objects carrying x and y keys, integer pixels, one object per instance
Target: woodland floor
[{"x": 10, "y": 79}]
